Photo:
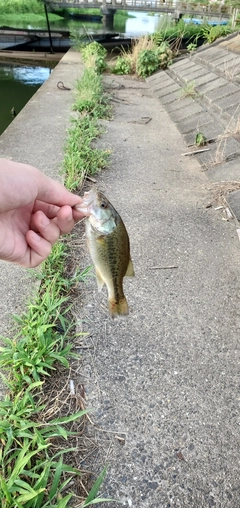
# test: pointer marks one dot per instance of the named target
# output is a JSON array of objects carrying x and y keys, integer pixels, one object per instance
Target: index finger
[
  {"x": 52, "y": 192},
  {"x": 49, "y": 210}
]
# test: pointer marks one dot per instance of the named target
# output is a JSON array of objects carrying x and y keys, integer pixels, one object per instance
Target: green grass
[
  {"x": 33, "y": 469},
  {"x": 189, "y": 90},
  {"x": 33, "y": 11},
  {"x": 190, "y": 31},
  {"x": 30, "y": 18},
  {"x": 29, "y": 469},
  {"x": 81, "y": 158},
  {"x": 20, "y": 6}
]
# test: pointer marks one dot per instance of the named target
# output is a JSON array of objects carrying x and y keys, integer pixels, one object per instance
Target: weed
[
  {"x": 144, "y": 58},
  {"x": 123, "y": 65},
  {"x": 93, "y": 49},
  {"x": 200, "y": 139},
  {"x": 142, "y": 44},
  {"x": 92, "y": 499},
  {"x": 22, "y": 6},
  {"x": 191, "y": 47},
  {"x": 147, "y": 62},
  {"x": 30, "y": 474},
  {"x": 211, "y": 33},
  {"x": 232, "y": 130},
  {"x": 189, "y": 90},
  {"x": 37, "y": 344},
  {"x": 89, "y": 94},
  {"x": 81, "y": 158},
  {"x": 94, "y": 55},
  {"x": 164, "y": 54},
  {"x": 175, "y": 34},
  {"x": 157, "y": 38}
]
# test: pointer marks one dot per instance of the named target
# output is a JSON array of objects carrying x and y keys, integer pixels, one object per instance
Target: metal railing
[{"x": 168, "y": 6}]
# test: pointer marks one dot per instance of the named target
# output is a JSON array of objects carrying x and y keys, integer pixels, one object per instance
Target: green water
[
  {"x": 138, "y": 24},
  {"x": 18, "y": 83}
]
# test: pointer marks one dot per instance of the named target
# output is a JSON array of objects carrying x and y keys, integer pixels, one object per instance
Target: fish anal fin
[
  {"x": 100, "y": 281},
  {"x": 118, "y": 308},
  {"x": 130, "y": 269}
]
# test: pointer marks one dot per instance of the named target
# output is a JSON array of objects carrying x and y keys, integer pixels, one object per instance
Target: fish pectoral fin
[
  {"x": 130, "y": 269},
  {"x": 100, "y": 281}
]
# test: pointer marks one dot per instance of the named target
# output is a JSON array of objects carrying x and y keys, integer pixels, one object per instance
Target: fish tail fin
[{"x": 118, "y": 308}]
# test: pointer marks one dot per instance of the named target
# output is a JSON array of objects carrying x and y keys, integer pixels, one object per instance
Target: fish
[{"x": 109, "y": 247}]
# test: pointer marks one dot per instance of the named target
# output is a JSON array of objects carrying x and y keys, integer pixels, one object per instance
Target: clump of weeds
[
  {"x": 189, "y": 90},
  {"x": 200, "y": 139},
  {"x": 144, "y": 58}
]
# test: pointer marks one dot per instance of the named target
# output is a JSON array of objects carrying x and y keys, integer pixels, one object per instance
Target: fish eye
[{"x": 103, "y": 205}]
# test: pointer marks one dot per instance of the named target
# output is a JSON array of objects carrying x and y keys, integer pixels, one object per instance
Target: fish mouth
[{"x": 88, "y": 200}]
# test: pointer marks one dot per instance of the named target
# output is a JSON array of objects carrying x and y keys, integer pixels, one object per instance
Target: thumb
[{"x": 52, "y": 192}]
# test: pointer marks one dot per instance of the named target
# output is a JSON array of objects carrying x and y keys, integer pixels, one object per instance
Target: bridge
[
  {"x": 167, "y": 6},
  {"x": 174, "y": 7}
]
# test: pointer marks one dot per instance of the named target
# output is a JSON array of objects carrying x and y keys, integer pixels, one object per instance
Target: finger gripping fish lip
[{"x": 87, "y": 201}]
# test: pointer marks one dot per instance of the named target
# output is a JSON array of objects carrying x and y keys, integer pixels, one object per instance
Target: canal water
[
  {"x": 19, "y": 83},
  {"x": 138, "y": 23}
]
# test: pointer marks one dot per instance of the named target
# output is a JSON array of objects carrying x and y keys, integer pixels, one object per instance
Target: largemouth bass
[{"x": 109, "y": 247}]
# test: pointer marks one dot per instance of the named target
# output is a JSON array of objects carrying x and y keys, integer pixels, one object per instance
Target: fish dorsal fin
[
  {"x": 100, "y": 281},
  {"x": 130, "y": 269}
]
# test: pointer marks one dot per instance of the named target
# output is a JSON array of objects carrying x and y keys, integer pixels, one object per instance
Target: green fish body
[{"x": 109, "y": 247}]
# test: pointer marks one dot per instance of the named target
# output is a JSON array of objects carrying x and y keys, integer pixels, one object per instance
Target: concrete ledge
[
  {"x": 234, "y": 203},
  {"x": 37, "y": 136}
]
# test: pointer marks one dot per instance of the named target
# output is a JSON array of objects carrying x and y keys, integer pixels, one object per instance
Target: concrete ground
[{"x": 163, "y": 382}]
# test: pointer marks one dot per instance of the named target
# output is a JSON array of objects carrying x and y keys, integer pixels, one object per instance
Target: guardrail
[{"x": 168, "y": 6}]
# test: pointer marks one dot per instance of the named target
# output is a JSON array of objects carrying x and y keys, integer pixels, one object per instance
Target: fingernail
[
  {"x": 45, "y": 221},
  {"x": 37, "y": 237}
]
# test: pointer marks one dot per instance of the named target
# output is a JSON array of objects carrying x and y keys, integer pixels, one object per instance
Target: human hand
[{"x": 34, "y": 211}]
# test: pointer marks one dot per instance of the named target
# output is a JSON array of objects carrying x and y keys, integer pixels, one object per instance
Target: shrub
[
  {"x": 123, "y": 65},
  {"x": 147, "y": 62},
  {"x": 93, "y": 49},
  {"x": 157, "y": 37},
  {"x": 144, "y": 58},
  {"x": 94, "y": 55},
  {"x": 164, "y": 54}
]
